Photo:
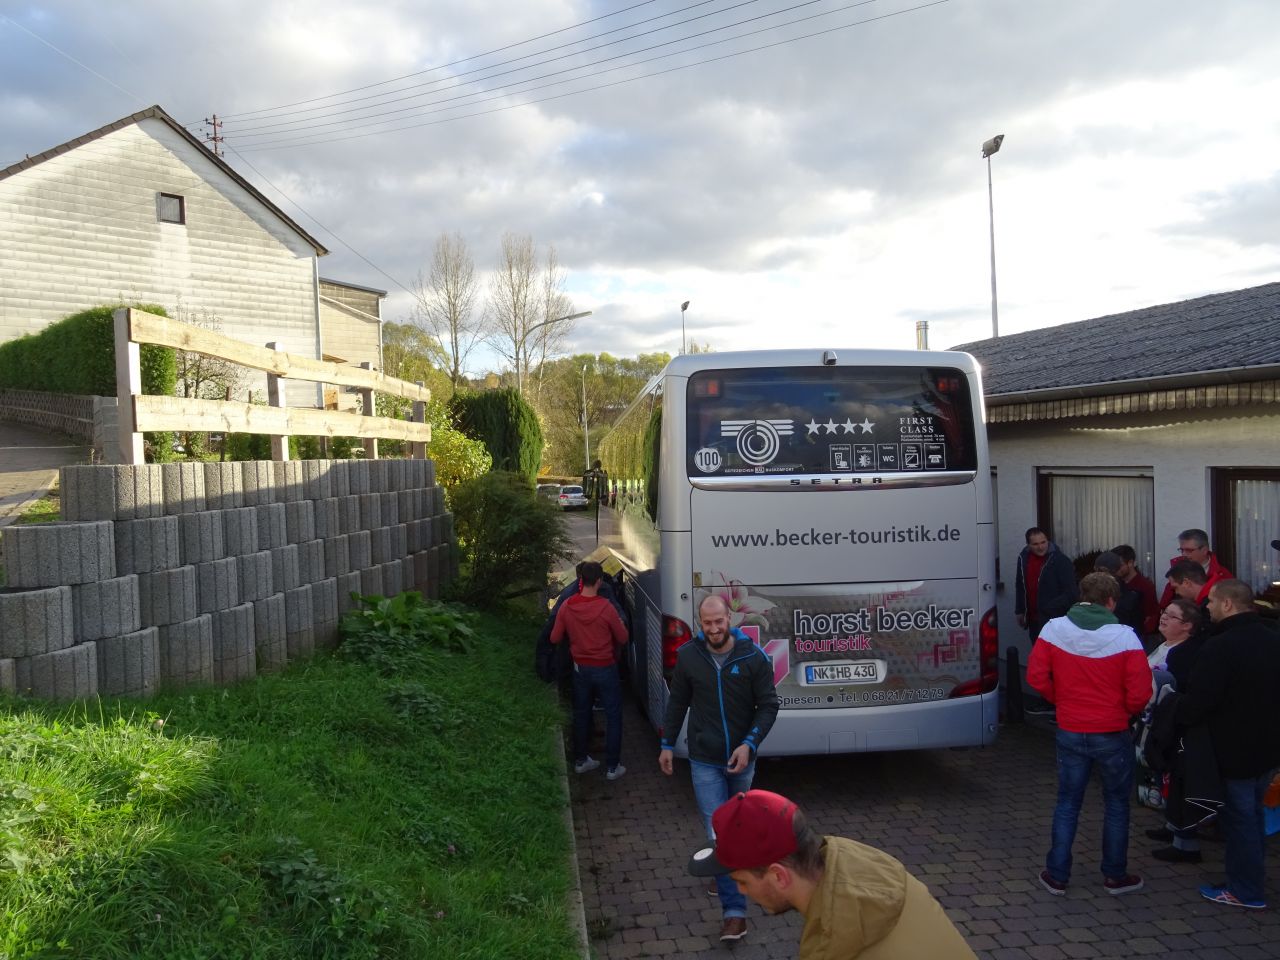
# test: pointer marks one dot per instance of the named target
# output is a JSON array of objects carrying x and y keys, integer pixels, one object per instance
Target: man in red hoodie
[
  {"x": 595, "y": 632},
  {"x": 1093, "y": 668}
]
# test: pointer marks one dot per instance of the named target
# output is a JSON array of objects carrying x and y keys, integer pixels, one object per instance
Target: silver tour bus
[{"x": 840, "y": 502}]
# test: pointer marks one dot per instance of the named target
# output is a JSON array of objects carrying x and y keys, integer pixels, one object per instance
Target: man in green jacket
[{"x": 857, "y": 901}]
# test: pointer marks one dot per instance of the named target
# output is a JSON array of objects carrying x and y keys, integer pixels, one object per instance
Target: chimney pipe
[{"x": 922, "y": 334}]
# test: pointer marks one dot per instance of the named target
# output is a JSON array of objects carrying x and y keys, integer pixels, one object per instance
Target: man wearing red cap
[{"x": 857, "y": 901}]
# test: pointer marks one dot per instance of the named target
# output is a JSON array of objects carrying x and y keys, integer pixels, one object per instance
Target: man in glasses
[{"x": 1193, "y": 545}]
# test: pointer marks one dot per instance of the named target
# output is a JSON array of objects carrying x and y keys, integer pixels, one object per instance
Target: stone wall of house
[{"x": 195, "y": 573}]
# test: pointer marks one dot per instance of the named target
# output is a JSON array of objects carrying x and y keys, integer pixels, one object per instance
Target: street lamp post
[
  {"x": 683, "y": 307},
  {"x": 525, "y": 336},
  {"x": 988, "y": 148},
  {"x": 586, "y": 430}
]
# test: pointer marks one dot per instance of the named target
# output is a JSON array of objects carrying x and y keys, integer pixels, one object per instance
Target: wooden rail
[{"x": 140, "y": 413}]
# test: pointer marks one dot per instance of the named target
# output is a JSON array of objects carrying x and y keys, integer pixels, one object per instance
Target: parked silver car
[
  {"x": 549, "y": 491},
  {"x": 572, "y": 498}
]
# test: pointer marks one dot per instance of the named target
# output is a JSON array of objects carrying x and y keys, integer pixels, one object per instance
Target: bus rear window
[{"x": 825, "y": 420}]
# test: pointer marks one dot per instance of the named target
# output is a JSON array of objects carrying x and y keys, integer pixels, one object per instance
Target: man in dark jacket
[
  {"x": 725, "y": 683},
  {"x": 1046, "y": 583},
  {"x": 1234, "y": 689}
]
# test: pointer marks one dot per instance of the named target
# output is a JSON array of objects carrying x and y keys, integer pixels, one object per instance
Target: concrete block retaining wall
[{"x": 169, "y": 575}]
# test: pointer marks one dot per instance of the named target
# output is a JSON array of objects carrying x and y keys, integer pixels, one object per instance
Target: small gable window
[{"x": 170, "y": 208}]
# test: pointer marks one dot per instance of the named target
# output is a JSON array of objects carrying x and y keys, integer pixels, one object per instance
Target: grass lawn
[{"x": 410, "y": 808}]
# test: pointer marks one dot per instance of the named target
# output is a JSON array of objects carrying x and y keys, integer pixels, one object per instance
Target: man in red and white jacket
[
  {"x": 1092, "y": 667},
  {"x": 595, "y": 632}
]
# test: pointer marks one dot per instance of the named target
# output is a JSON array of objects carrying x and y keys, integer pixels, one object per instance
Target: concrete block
[
  {"x": 234, "y": 655},
  {"x": 58, "y": 554},
  {"x": 269, "y": 633},
  {"x": 33, "y": 622},
  {"x": 380, "y": 544},
  {"x": 223, "y": 486},
  {"x": 337, "y": 559},
  {"x": 433, "y": 573},
  {"x": 285, "y": 568},
  {"x": 349, "y": 514},
  {"x": 317, "y": 482},
  {"x": 240, "y": 530},
  {"x": 186, "y": 652},
  {"x": 129, "y": 665},
  {"x": 201, "y": 536},
  {"x": 370, "y": 511},
  {"x": 288, "y": 480},
  {"x": 326, "y": 514},
  {"x": 390, "y": 507},
  {"x": 428, "y": 532},
  {"x": 299, "y": 521},
  {"x": 167, "y": 596},
  {"x": 416, "y": 473},
  {"x": 392, "y": 578},
  {"x": 360, "y": 549},
  {"x": 255, "y": 574},
  {"x": 8, "y": 677},
  {"x": 257, "y": 482},
  {"x": 324, "y": 613},
  {"x": 144, "y": 546},
  {"x": 272, "y": 527},
  {"x": 421, "y": 571},
  {"x": 108, "y": 608},
  {"x": 397, "y": 474},
  {"x": 406, "y": 506},
  {"x": 371, "y": 582},
  {"x": 377, "y": 476},
  {"x": 358, "y": 477},
  {"x": 183, "y": 485},
  {"x": 310, "y": 561},
  {"x": 430, "y": 479},
  {"x": 299, "y": 619},
  {"x": 64, "y": 675},
  {"x": 340, "y": 478},
  {"x": 217, "y": 585},
  {"x": 348, "y": 584},
  {"x": 413, "y": 536},
  {"x": 102, "y": 492},
  {"x": 399, "y": 541}
]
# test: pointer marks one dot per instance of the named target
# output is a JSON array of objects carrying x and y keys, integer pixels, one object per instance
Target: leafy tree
[
  {"x": 410, "y": 353},
  {"x": 507, "y": 426},
  {"x": 447, "y": 303}
]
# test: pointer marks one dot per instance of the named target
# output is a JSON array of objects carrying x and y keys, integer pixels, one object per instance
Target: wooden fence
[{"x": 141, "y": 413}]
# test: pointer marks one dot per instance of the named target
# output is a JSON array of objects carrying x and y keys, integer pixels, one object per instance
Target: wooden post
[
  {"x": 366, "y": 398},
  {"x": 128, "y": 386},
  {"x": 275, "y": 398},
  {"x": 419, "y": 450}
]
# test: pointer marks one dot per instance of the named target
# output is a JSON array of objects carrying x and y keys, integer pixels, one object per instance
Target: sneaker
[
  {"x": 585, "y": 766},
  {"x": 1052, "y": 885},
  {"x": 713, "y": 889},
  {"x": 1175, "y": 855},
  {"x": 1163, "y": 834},
  {"x": 733, "y": 928},
  {"x": 1129, "y": 883},
  {"x": 615, "y": 772},
  {"x": 1223, "y": 895}
]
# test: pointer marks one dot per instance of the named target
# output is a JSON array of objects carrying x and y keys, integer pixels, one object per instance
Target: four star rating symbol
[{"x": 832, "y": 427}]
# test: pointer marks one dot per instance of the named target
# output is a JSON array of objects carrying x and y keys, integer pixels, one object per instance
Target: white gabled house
[{"x": 141, "y": 211}]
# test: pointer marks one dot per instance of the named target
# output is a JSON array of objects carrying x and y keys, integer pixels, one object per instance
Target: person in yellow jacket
[{"x": 857, "y": 901}]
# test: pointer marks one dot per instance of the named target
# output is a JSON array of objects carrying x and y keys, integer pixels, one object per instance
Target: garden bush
[{"x": 507, "y": 426}]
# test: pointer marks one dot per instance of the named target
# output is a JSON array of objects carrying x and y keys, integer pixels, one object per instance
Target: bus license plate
[{"x": 861, "y": 671}]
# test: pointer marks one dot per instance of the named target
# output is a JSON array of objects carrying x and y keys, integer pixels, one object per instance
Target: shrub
[
  {"x": 384, "y": 631},
  {"x": 507, "y": 426},
  {"x": 509, "y": 538}
]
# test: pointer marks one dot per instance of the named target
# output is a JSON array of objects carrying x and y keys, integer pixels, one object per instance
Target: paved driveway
[
  {"x": 973, "y": 825},
  {"x": 29, "y": 462}
]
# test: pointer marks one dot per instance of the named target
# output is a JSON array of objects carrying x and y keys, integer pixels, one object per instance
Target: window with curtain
[
  {"x": 1246, "y": 518},
  {"x": 1088, "y": 512}
]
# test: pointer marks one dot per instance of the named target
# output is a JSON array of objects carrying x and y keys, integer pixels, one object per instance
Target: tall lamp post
[
  {"x": 586, "y": 430},
  {"x": 683, "y": 307},
  {"x": 988, "y": 148},
  {"x": 525, "y": 336}
]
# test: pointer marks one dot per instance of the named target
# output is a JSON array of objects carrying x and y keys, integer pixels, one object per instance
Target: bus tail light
[
  {"x": 675, "y": 634},
  {"x": 988, "y": 659}
]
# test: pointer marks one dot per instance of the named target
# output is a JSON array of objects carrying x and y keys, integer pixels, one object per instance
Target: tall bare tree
[
  {"x": 447, "y": 301},
  {"x": 524, "y": 296},
  {"x": 202, "y": 377}
]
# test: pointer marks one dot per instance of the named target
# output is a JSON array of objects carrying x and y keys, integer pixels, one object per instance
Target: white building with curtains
[{"x": 1133, "y": 427}]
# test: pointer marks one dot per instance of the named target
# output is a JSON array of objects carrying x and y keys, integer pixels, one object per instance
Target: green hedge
[{"x": 506, "y": 425}]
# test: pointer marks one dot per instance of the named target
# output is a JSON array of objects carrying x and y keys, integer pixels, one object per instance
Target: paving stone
[
  {"x": 284, "y": 567},
  {"x": 129, "y": 665},
  {"x": 272, "y": 526},
  {"x": 59, "y": 554},
  {"x": 270, "y": 632},
  {"x": 201, "y": 536},
  {"x": 183, "y": 486},
  {"x": 326, "y": 518},
  {"x": 234, "y": 655},
  {"x": 144, "y": 546},
  {"x": 223, "y": 486},
  {"x": 217, "y": 585},
  {"x": 167, "y": 596},
  {"x": 186, "y": 652},
  {"x": 33, "y": 622},
  {"x": 299, "y": 617},
  {"x": 299, "y": 521},
  {"x": 360, "y": 549},
  {"x": 337, "y": 558},
  {"x": 107, "y": 608},
  {"x": 110, "y": 492},
  {"x": 288, "y": 480},
  {"x": 255, "y": 573},
  {"x": 62, "y": 676},
  {"x": 257, "y": 482},
  {"x": 324, "y": 613},
  {"x": 240, "y": 530}
]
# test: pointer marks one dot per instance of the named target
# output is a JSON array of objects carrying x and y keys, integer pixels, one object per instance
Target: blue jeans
[
  {"x": 604, "y": 681},
  {"x": 712, "y": 786},
  {"x": 1078, "y": 753},
  {"x": 1241, "y": 819}
]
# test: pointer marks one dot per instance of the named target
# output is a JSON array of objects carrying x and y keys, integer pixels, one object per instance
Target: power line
[
  {"x": 304, "y": 141},
  {"x": 64, "y": 53}
]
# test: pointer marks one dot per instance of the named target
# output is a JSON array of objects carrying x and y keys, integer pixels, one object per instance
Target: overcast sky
[{"x": 825, "y": 191}]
